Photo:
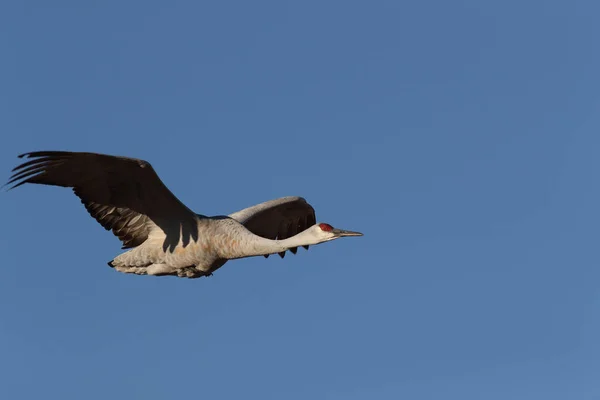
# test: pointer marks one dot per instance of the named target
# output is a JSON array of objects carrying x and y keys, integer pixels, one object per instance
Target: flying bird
[{"x": 162, "y": 236}]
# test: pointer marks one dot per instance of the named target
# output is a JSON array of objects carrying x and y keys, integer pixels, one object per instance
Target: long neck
[{"x": 247, "y": 244}]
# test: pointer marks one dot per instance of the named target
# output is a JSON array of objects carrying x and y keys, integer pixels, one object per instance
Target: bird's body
[
  {"x": 199, "y": 258},
  {"x": 222, "y": 239},
  {"x": 163, "y": 236}
]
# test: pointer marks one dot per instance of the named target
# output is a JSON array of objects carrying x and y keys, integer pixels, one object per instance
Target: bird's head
[{"x": 323, "y": 232}]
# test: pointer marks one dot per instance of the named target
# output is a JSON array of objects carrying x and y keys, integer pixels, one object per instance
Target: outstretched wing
[
  {"x": 278, "y": 219},
  {"x": 124, "y": 195}
]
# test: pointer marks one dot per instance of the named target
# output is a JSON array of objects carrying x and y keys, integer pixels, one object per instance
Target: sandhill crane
[{"x": 163, "y": 236}]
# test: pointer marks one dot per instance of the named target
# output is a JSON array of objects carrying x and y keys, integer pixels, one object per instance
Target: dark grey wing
[
  {"x": 123, "y": 194},
  {"x": 278, "y": 219}
]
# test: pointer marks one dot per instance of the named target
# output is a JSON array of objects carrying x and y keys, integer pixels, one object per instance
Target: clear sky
[{"x": 461, "y": 137}]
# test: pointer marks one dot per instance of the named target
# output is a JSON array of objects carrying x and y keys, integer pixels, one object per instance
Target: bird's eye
[{"x": 326, "y": 227}]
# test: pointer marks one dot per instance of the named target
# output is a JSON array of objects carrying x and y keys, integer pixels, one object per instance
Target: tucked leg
[{"x": 159, "y": 269}]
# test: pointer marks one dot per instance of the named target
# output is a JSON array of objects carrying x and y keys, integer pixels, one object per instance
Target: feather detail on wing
[
  {"x": 278, "y": 219},
  {"x": 124, "y": 195},
  {"x": 130, "y": 227}
]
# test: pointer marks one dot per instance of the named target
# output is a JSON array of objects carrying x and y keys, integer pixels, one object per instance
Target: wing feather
[
  {"x": 123, "y": 194},
  {"x": 278, "y": 219}
]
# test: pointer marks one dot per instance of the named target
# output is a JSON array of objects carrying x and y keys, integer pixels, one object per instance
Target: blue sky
[{"x": 461, "y": 137}]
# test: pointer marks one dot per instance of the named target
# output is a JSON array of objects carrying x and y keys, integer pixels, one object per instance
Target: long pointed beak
[{"x": 342, "y": 233}]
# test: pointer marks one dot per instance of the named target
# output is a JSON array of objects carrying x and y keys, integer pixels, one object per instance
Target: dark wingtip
[
  {"x": 266, "y": 255},
  {"x": 30, "y": 154},
  {"x": 12, "y": 180},
  {"x": 31, "y": 166},
  {"x": 282, "y": 254},
  {"x": 111, "y": 264},
  {"x": 46, "y": 153},
  {"x": 13, "y": 186},
  {"x": 306, "y": 247}
]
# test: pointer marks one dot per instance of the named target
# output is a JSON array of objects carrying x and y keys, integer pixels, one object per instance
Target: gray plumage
[{"x": 162, "y": 235}]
